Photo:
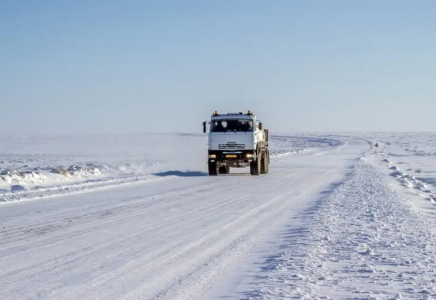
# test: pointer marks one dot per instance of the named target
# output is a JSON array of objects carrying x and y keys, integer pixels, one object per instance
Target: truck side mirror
[
  {"x": 204, "y": 127},
  {"x": 260, "y": 126}
]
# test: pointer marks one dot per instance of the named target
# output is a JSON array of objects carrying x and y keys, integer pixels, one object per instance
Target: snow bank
[
  {"x": 364, "y": 242},
  {"x": 43, "y": 162}
]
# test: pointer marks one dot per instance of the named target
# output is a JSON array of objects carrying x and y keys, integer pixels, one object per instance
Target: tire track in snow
[
  {"x": 174, "y": 252},
  {"x": 172, "y": 247},
  {"x": 217, "y": 248},
  {"x": 101, "y": 211},
  {"x": 60, "y": 262},
  {"x": 121, "y": 219}
]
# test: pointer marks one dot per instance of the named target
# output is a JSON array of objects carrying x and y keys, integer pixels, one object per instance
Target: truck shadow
[
  {"x": 181, "y": 173},
  {"x": 235, "y": 174}
]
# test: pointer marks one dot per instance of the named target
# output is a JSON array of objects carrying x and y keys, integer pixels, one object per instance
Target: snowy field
[
  {"x": 40, "y": 166},
  {"x": 136, "y": 217}
]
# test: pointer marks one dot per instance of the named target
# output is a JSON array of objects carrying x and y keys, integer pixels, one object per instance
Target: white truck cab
[{"x": 237, "y": 140}]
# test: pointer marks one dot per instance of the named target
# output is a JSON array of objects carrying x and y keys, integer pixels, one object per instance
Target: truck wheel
[
  {"x": 266, "y": 163},
  {"x": 263, "y": 164},
  {"x": 224, "y": 170},
  {"x": 255, "y": 166},
  {"x": 213, "y": 169}
]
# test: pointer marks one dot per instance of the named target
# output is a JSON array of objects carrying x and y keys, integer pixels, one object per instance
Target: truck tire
[
  {"x": 255, "y": 166},
  {"x": 213, "y": 169},
  {"x": 264, "y": 164},
  {"x": 224, "y": 170},
  {"x": 267, "y": 163}
]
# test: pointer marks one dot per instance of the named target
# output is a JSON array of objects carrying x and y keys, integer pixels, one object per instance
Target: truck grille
[{"x": 231, "y": 146}]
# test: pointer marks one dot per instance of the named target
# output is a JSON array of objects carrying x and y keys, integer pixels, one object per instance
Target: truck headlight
[
  {"x": 212, "y": 155},
  {"x": 249, "y": 155}
]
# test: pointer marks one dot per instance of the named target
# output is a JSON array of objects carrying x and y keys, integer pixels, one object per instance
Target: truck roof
[
  {"x": 230, "y": 116},
  {"x": 240, "y": 115}
]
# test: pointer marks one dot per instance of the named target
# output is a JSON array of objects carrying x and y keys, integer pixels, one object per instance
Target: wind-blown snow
[
  {"x": 334, "y": 219},
  {"x": 40, "y": 166}
]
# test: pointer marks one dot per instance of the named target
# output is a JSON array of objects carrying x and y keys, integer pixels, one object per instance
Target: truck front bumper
[{"x": 232, "y": 158}]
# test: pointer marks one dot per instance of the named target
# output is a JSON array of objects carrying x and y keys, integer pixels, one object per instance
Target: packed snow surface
[{"x": 136, "y": 217}]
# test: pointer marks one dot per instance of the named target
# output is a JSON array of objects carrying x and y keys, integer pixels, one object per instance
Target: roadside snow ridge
[{"x": 363, "y": 242}]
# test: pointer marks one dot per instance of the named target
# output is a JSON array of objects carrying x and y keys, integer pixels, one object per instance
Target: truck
[{"x": 236, "y": 140}]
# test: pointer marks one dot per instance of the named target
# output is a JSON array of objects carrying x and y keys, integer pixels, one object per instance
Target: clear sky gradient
[{"x": 138, "y": 66}]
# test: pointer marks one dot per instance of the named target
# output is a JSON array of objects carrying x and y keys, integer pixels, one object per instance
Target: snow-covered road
[
  {"x": 169, "y": 239},
  {"x": 198, "y": 237}
]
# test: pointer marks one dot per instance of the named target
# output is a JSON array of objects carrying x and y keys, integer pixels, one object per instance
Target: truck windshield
[{"x": 236, "y": 125}]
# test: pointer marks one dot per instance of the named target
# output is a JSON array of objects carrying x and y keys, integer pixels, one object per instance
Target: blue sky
[{"x": 138, "y": 66}]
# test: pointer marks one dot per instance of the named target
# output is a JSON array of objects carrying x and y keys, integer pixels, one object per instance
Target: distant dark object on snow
[{"x": 17, "y": 188}]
